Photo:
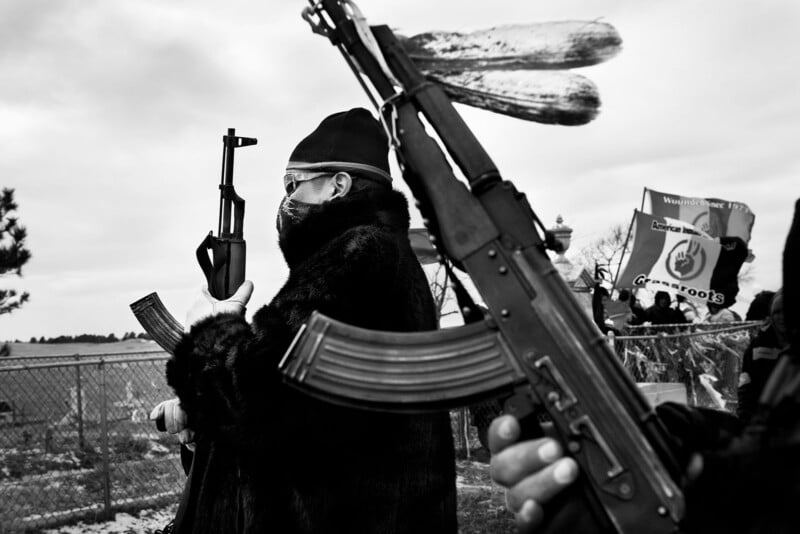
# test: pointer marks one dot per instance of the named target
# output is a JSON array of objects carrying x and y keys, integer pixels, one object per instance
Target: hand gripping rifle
[
  {"x": 224, "y": 270},
  {"x": 535, "y": 344}
]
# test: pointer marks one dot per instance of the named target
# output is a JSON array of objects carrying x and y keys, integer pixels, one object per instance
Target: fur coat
[{"x": 270, "y": 459}]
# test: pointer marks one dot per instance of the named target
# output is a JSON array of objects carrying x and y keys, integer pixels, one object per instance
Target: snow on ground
[
  {"x": 472, "y": 481},
  {"x": 145, "y": 522}
]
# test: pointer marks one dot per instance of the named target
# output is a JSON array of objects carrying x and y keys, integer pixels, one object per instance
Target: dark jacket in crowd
[
  {"x": 751, "y": 486},
  {"x": 639, "y": 313},
  {"x": 280, "y": 461},
  {"x": 657, "y": 315},
  {"x": 758, "y": 361},
  {"x": 599, "y": 312},
  {"x": 662, "y": 313}
]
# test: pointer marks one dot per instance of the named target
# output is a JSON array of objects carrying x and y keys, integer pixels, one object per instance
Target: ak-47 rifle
[
  {"x": 224, "y": 270},
  {"x": 535, "y": 344}
]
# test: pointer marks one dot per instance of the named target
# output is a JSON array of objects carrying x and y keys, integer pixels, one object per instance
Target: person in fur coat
[{"x": 268, "y": 458}]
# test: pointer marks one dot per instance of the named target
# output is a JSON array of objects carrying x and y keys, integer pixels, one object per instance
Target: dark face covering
[
  {"x": 299, "y": 220},
  {"x": 290, "y": 213},
  {"x": 306, "y": 231},
  {"x": 293, "y": 210}
]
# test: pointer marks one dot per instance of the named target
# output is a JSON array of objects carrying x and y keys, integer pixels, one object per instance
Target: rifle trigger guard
[
  {"x": 584, "y": 426},
  {"x": 563, "y": 397}
]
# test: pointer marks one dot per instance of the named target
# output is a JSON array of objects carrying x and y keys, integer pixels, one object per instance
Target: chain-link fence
[
  {"x": 75, "y": 440},
  {"x": 705, "y": 357}
]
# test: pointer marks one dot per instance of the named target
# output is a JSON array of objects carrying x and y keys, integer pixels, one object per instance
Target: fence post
[
  {"x": 465, "y": 429},
  {"x": 79, "y": 400},
  {"x": 104, "y": 441}
]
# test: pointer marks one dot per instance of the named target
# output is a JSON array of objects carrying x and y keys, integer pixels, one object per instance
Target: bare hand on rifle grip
[
  {"x": 206, "y": 305},
  {"x": 532, "y": 472},
  {"x": 535, "y": 471}
]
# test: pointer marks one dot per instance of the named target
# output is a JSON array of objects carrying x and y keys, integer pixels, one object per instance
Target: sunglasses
[{"x": 291, "y": 179}]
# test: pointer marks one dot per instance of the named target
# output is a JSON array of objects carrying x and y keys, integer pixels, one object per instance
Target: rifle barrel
[{"x": 226, "y": 183}]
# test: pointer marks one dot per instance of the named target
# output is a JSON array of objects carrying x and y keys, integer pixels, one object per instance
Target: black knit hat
[{"x": 347, "y": 141}]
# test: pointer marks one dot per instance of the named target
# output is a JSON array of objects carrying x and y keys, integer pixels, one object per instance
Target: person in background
[
  {"x": 762, "y": 352},
  {"x": 760, "y": 307},
  {"x": 620, "y": 313},
  {"x": 662, "y": 312},
  {"x": 720, "y": 314},
  {"x": 687, "y": 308},
  {"x": 638, "y": 318},
  {"x": 600, "y": 299}
]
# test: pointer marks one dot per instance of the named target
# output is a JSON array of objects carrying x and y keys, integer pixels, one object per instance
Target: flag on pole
[
  {"x": 714, "y": 216},
  {"x": 669, "y": 255}
]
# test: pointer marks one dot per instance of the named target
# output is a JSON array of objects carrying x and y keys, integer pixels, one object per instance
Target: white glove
[
  {"x": 174, "y": 419},
  {"x": 206, "y": 305}
]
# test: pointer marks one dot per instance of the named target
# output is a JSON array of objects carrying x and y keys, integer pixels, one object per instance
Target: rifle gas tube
[
  {"x": 224, "y": 269},
  {"x": 536, "y": 343}
]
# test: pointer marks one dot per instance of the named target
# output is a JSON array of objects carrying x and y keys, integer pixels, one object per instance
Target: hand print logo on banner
[{"x": 686, "y": 260}]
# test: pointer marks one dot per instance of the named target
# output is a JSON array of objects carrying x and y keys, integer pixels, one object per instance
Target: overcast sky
[{"x": 112, "y": 112}]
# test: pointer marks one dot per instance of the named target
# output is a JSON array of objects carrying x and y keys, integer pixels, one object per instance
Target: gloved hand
[
  {"x": 206, "y": 305},
  {"x": 170, "y": 417}
]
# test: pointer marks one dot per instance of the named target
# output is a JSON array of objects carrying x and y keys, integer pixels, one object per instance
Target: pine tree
[{"x": 13, "y": 254}]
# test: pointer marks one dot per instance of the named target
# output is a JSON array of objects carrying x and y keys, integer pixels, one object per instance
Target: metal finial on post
[{"x": 562, "y": 233}]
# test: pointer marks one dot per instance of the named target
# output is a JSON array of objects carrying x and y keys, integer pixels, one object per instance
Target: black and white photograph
[{"x": 319, "y": 266}]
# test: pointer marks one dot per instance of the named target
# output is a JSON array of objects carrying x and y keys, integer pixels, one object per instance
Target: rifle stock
[{"x": 545, "y": 348}]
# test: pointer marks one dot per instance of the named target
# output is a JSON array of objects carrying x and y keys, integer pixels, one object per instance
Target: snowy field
[
  {"x": 145, "y": 522},
  {"x": 481, "y": 509}
]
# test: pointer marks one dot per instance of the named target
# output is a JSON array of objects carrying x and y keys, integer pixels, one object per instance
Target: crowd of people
[
  {"x": 626, "y": 311},
  {"x": 759, "y": 357}
]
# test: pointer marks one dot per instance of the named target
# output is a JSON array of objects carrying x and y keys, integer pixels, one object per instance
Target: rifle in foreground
[
  {"x": 535, "y": 344},
  {"x": 224, "y": 269}
]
